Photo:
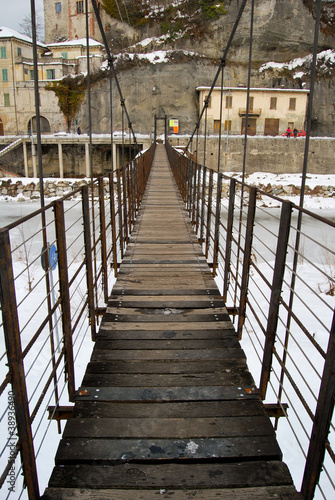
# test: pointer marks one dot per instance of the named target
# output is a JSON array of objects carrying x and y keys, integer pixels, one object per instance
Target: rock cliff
[{"x": 283, "y": 31}]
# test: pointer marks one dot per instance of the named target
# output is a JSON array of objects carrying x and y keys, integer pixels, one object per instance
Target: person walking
[{"x": 288, "y": 132}]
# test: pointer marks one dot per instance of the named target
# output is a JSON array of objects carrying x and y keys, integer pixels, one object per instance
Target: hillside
[{"x": 175, "y": 46}]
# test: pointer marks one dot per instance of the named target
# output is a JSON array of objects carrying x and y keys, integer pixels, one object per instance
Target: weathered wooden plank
[
  {"x": 173, "y": 354},
  {"x": 165, "y": 291},
  {"x": 227, "y": 336},
  {"x": 166, "y": 311},
  {"x": 168, "y": 343},
  {"x": 260, "y": 493},
  {"x": 236, "y": 377},
  {"x": 163, "y": 366},
  {"x": 105, "y": 409},
  {"x": 168, "y": 428},
  {"x": 168, "y": 317},
  {"x": 169, "y": 327},
  {"x": 159, "y": 301},
  {"x": 167, "y": 476},
  {"x": 203, "y": 393},
  {"x": 120, "y": 450}
]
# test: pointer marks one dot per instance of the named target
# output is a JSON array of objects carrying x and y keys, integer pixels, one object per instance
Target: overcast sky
[{"x": 15, "y": 10}]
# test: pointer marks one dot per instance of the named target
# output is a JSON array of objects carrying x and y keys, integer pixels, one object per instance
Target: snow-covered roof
[
  {"x": 9, "y": 33},
  {"x": 75, "y": 43},
  {"x": 256, "y": 89}
]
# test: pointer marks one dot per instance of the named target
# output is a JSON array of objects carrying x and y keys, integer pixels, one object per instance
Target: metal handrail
[
  {"x": 47, "y": 318},
  {"x": 257, "y": 290}
]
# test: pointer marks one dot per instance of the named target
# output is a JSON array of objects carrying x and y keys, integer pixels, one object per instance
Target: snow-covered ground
[{"x": 11, "y": 210}]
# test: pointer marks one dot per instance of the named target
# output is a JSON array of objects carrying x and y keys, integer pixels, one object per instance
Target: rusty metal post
[
  {"x": 88, "y": 259},
  {"x": 195, "y": 171},
  {"x": 119, "y": 199},
  {"x": 276, "y": 288},
  {"x": 113, "y": 221},
  {"x": 203, "y": 197},
  {"x": 102, "y": 215},
  {"x": 65, "y": 296},
  {"x": 229, "y": 238},
  {"x": 247, "y": 260},
  {"x": 322, "y": 422},
  {"x": 189, "y": 186},
  {"x": 198, "y": 200},
  {"x": 15, "y": 364},
  {"x": 217, "y": 225},
  {"x": 125, "y": 211},
  {"x": 209, "y": 212}
]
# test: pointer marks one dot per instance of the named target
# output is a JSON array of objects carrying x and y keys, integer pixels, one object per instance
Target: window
[
  {"x": 227, "y": 125},
  {"x": 31, "y": 74},
  {"x": 216, "y": 126},
  {"x": 3, "y": 53},
  {"x": 273, "y": 102},
  {"x": 19, "y": 51},
  {"x": 80, "y": 7},
  {"x": 292, "y": 103},
  {"x": 251, "y": 104},
  {"x": 50, "y": 74},
  {"x": 4, "y": 75},
  {"x": 229, "y": 101},
  {"x": 207, "y": 99},
  {"x": 6, "y": 100},
  {"x": 58, "y": 7},
  {"x": 64, "y": 55}
]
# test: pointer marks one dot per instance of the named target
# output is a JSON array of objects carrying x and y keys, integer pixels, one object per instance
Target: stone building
[
  {"x": 17, "y": 100},
  {"x": 271, "y": 110},
  {"x": 65, "y": 19}
]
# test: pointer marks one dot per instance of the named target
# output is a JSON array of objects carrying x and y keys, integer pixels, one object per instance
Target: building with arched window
[
  {"x": 271, "y": 110},
  {"x": 17, "y": 100}
]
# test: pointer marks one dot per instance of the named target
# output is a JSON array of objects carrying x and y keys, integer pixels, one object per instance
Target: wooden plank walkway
[{"x": 167, "y": 404}]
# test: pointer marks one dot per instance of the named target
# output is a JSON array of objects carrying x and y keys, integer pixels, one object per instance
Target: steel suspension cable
[
  {"x": 245, "y": 147},
  {"x": 222, "y": 64},
  {"x": 110, "y": 59},
  {"x": 303, "y": 184}
]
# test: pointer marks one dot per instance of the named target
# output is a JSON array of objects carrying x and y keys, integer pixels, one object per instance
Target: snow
[
  {"x": 10, "y": 210},
  {"x": 324, "y": 59},
  {"x": 9, "y": 33},
  {"x": 155, "y": 57},
  {"x": 75, "y": 43}
]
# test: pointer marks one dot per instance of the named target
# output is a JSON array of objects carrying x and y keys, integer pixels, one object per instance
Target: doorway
[
  {"x": 271, "y": 126},
  {"x": 251, "y": 126}
]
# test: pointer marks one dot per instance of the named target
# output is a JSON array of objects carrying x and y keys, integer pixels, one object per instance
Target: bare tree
[{"x": 26, "y": 27}]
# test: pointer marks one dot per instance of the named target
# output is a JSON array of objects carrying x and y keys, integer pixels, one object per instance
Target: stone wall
[
  {"x": 53, "y": 188},
  {"x": 277, "y": 155},
  {"x": 56, "y": 188}
]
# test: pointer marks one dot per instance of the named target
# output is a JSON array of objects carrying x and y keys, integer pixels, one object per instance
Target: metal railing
[
  {"x": 280, "y": 295},
  {"x": 54, "y": 279}
]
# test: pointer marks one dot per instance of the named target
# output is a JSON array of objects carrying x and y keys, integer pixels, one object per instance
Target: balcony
[{"x": 251, "y": 112}]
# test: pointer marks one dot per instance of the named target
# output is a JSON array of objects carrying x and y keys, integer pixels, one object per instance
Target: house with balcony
[
  {"x": 17, "y": 100},
  {"x": 270, "y": 110}
]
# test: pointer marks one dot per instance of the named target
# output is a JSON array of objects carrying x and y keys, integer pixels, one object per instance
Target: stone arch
[{"x": 45, "y": 125}]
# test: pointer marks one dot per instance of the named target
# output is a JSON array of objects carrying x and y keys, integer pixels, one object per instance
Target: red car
[{"x": 301, "y": 133}]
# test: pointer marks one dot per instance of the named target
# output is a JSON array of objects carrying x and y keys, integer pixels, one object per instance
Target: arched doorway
[
  {"x": 1, "y": 128},
  {"x": 45, "y": 125}
]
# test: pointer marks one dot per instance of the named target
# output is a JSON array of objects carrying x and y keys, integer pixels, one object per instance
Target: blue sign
[{"x": 53, "y": 257}]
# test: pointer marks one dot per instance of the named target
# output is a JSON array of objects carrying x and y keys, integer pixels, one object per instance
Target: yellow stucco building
[
  {"x": 271, "y": 110},
  {"x": 17, "y": 100}
]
